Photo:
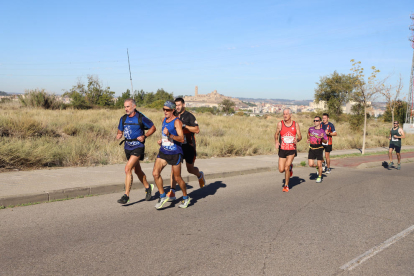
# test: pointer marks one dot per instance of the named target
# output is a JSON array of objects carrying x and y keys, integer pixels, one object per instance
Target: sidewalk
[{"x": 22, "y": 187}]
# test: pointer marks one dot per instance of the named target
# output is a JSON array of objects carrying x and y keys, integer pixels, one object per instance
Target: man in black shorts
[
  {"x": 171, "y": 153},
  {"x": 330, "y": 131},
  {"x": 316, "y": 136},
  {"x": 286, "y": 136},
  {"x": 132, "y": 126},
  {"x": 190, "y": 127}
]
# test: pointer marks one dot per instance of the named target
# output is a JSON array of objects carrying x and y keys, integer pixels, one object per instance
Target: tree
[
  {"x": 227, "y": 106},
  {"x": 400, "y": 111},
  {"x": 92, "y": 94},
  {"x": 365, "y": 92},
  {"x": 335, "y": 90},
  {"x": 391, "y": 96},
  {"x": 120, "y": 101}
]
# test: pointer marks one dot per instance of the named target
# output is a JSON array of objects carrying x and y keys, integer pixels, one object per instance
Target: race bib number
[
  {"x": 325, "y": 144},
  {"x": 394, "y": 139},
  {"x": 167, "y": 142},
  {"x": 288, "y": 139}
]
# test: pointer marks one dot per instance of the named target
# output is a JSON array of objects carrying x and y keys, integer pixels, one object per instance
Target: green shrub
[{"x": 40, "y": 98}]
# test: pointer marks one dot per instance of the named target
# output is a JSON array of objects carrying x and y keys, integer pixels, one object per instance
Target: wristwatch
[{"x": 184, "y": 125}]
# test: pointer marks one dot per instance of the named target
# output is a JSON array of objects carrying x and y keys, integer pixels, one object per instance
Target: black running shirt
[{"x": 188, "y": 119}]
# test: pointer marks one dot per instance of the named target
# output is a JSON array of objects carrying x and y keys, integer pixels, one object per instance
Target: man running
[
  {"x": 396, "y": 134},
  {"x": 316, "y": 136},
  {"x": 132, "y": 125},
  {"x": 190, "y": 127},
  {"x": 329, "y": 129},
  {"x": 170, "y": 153},
  {"x": 285, "y": 142}
]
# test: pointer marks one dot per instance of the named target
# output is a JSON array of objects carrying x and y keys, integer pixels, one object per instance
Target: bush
[{"x": 40, "y": 98}]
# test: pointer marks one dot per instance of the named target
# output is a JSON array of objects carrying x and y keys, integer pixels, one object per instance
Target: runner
[
  {"x": 285, "y": 142},
  {"x": 396, "y": 134},
  {"x": 190, "y": 126},
  {"x": 170, "y": 153},
  {"x": 330, "y": 131},
  {"x": 132, "y": 125},
  {"x": 316, "y": 136}
]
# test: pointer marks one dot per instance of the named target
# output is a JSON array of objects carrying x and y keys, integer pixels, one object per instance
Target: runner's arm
[
  {"x": 119, "y": 134},
  {"x": 193, "y": 129},
  {"x": 278, "y": 129},
  {"x": 298, "y": 133},
  {"x": 401, "y": 133},
  {"x": 332, "y": 134},
  {"x": 179, "y": 128},
  {"x": 148, "y": 134}
]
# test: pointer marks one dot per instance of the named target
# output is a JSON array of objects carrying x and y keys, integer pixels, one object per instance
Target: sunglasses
[
  {"x": 316, "y": 120},
  {"x": 395, "y": 123},
  {"x": 168, "y": 110}
]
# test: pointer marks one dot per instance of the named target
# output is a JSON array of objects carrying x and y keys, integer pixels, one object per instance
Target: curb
[
  {"x": 108, "y": 189},
  {"x": 370, "y": 165}
]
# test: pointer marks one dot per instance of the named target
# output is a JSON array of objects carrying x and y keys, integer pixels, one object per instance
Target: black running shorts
[
  {"x": 327, "y": 148},
  {"x": 172, "y": 159},
  {"x": 285, "y": 153},
  {"x": 315, "y": 154},
  {"x": 137, "y": 152},
  {"x": 397, "y": 148},
  {"x": 189, "y": 154}
]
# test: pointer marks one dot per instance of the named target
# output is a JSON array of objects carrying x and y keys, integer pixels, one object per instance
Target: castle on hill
[{"x": 209, "y": 100}]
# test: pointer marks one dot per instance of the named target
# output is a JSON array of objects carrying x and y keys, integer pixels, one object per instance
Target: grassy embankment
[{"x": 34, "y": 138}]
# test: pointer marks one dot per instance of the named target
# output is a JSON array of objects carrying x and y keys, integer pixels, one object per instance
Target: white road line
[{"x": 373, "y": 251}]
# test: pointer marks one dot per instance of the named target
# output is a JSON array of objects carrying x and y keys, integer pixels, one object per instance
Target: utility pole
[{"x": 130, "y": 76}]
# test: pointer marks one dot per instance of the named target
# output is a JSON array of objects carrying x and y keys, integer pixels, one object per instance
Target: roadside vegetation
[{"x": 37, "y": 137}]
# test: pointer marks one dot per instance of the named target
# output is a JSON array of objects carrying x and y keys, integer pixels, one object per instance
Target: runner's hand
[
  {"x": 119, "y": 136},
  {"x": 141, "y": 138},
  {"x": 308, "y": 141},
  {"x": 165, "y": 131},
  {"x": 159, "y": 142},
  {"x": 277, "y": 145}
]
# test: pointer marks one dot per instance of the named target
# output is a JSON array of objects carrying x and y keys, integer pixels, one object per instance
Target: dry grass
[{"x": 32, "y": 138}]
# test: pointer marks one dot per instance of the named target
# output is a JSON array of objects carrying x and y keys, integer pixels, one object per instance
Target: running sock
[
  {"x": 163, "y": 195},
  {"x": 185, "y": 197}
]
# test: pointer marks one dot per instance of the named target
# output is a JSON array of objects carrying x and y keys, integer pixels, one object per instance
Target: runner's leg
[
  {"x": 390, "y": 154},
  {"x": 282, "y": 162},
  {"x": 133, "y": 160},
  {"x": 319, "y": 167},
  {"x": 178, "y": 178},
  {"x": 311, "y": 163},
  {"x": 141, "y": 175},
  {"x": 328, "y": 159},
  {"x": 156, "y": 173},
  {"x": 289, "y": 160},
  {"x": 172, "y": 180},
  {"x": 193, "y": 170},
  {"x": 399, "y": 157}
]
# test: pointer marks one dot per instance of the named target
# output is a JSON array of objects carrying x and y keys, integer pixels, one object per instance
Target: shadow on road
[
  {"x": 199, "y": 193},
  {"x": 385, "y": 165},
  {"x": 295, "y": 180}
]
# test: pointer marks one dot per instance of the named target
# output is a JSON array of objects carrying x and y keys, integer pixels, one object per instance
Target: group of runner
[
  {"x": 177, "y": 144},
  {"x": 319, "y": 138}
]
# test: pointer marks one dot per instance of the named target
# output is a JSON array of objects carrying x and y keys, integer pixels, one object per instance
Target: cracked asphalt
[{"x": 242, "y": 225}]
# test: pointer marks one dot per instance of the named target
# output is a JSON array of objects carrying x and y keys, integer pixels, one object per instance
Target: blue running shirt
[
  {"x": 168, "y": 145},
  {"x": 134, "y": 131}
]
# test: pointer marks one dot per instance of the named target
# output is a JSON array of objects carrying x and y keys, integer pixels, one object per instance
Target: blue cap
[{"x": 170, "y": 104}]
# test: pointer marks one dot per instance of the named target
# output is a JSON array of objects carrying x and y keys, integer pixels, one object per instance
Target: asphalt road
[{"x": 242, "y": 225}]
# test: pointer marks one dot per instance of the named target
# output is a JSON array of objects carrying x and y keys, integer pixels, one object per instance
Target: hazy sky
[{"x": 260, "y": 49}]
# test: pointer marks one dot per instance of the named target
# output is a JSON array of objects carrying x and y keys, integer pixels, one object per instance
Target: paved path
[
  {"x": 52, "y": 184},
  {"x": 242, "y": 225}
]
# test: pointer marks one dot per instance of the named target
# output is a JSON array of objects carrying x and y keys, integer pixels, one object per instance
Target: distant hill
[
  {"x": 2, "y": 93},
  {"x": 277, "y": 101}
]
